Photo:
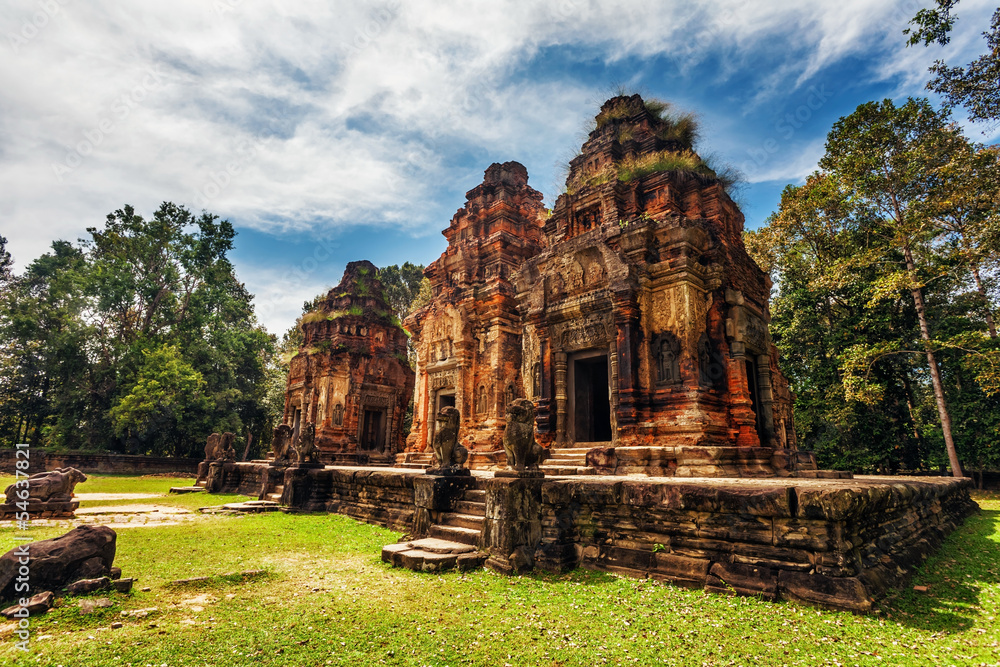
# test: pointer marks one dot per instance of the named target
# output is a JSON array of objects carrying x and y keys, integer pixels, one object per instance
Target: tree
[
  {"x": 975, "y": 86},
  {"x": 166, "y": 398},
  {"x": 401, "y": 285},
  {"x": 827, "y": 264},
  {"x": 86, "y": 325},
  {"x": 886, "y": 157}
]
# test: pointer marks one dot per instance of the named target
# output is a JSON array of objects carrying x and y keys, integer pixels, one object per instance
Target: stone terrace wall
[
  {"x": 383, "y": 498},
  {"x": 40, "y": 460},
  {"x": 839, "y": 544}
]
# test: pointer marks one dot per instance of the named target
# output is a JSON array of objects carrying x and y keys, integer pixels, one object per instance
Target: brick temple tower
[
  {"x": 351, "y": 377},
  {"x": 645, "y": 321},
  {"x": 468, "y": 339}
]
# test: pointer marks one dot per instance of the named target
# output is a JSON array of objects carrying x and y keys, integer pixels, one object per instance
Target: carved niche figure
[
  {"x": 523, "y": 453},
  {"x": 667, "y": 348},
  {"x": 54, "y": 485},
  {"x": 481, "y": 401},
  {"x": 305, "y": 446},
  {"x": 212, "y": 447},
  {"x": 280, "y": 441},
  {"x": 448, "y": 452},
  {"x": 337, "y": 417}
]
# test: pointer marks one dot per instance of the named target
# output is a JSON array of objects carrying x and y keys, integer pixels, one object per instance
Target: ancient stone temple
[
  {"x": 351, "y": 378},
  {"x": 645, "y": 320},
  {"x": 468, "y": 339},
  {"x": 632, "y": 315}
]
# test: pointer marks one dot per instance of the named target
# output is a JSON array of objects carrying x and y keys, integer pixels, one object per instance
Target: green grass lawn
[{"x": 326, "y": 599}]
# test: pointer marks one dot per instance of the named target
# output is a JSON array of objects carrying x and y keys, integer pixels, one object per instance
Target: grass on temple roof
[{"x": 327, "y": 599}]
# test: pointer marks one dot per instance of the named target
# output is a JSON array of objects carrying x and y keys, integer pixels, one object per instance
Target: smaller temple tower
[
  {"x": 351, "y": 378},
  {"x": 468, "y": 339}
]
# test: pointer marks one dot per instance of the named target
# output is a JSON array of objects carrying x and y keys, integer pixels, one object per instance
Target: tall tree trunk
[
  {"x": 925, "y": 334},
  {"x": 986, "y": 301},
  {"x": 246, "y": 450}
]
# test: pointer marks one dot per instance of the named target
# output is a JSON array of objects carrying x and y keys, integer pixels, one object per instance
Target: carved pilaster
[{"x": 560, "y": 363}]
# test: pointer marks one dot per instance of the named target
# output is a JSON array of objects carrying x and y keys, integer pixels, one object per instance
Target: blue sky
[{"x": 334, "y": 131}]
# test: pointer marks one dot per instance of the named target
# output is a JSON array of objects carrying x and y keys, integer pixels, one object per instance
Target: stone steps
[
  {"x": 567, "y": 470},
  {"x": 433, "y": 555},
  {"x": 471, "y": 507},
  {"x": 477, "y": 496},
  {"x": 454, "y": 519},
  {"x": 187, "y": 489},
  {"x": 455, "y": 534},
  {"x": 275, "y": 494}
]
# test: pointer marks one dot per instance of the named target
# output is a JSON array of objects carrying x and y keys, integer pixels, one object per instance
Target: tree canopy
[{"x": 139, "y": 339}]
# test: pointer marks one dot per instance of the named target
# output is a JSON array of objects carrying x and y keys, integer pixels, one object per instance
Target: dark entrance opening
[
  {"x": 373, "y": 430},
  {"x": 446, "y": 401},
  {"x": 753, "y": 383},
  {"x": 591, "y": 402}
]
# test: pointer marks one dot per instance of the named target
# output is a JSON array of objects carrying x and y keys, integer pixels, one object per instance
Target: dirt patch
[
  {"x": 83, "y": 497},
  {"x": 132, "y": 509}
]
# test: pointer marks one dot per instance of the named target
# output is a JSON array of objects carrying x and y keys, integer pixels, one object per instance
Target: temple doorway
[
  {"x": 373, "y": 430},
  {"x": 590, "y": 396},
  {"x": 753, "y": 384}
]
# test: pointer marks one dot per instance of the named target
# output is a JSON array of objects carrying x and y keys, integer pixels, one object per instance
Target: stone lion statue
[
  {"x": 280, "y": 442},
  {"x": 449, "y": 453},
  {"x": 305, "y": 446},
  {"x": 212, "y": 447},
  {"x": 55, "y": 485},
  {"x": 226, "y": 450},
  {"x": 523, "y": 453}
]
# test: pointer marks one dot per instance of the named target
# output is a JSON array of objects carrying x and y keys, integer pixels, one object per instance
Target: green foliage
[
  {"x": 975, "y": 86},
  {"x": 882, "y": 263},
  {"x": 401, "y": 284},
  {"x": 85, "y": 326},
  {"x": 166, "y": 397}
]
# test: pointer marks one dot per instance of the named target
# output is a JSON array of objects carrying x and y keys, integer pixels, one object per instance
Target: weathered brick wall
[
  {"x": 840, "y": 544},
  {"x": 40, "y": 460},
  {"x": 382, "y": 498}
]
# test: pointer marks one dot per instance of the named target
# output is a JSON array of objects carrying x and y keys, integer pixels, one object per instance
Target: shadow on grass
[{"x": 968, "y": 561}]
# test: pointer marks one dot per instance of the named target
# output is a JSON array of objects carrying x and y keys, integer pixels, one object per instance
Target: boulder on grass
[{"x": 85, "y": 552}]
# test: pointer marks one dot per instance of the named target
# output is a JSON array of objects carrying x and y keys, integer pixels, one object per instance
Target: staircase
[
  {"x": 452, "y": 543},
  {"x": 414, "y": 460},
  {"x": 274, "y": 494},
  {"x": 568, "y": 461},
  {"x": 465, "y": 524}
]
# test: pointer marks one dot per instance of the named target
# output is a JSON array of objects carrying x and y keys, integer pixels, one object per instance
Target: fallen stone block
[
  {"x": 84, "y": 586},
  {"x": 36, "y": 604}
]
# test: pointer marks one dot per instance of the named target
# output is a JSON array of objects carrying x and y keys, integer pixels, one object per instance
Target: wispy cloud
[{"x": 322, "y": 115}]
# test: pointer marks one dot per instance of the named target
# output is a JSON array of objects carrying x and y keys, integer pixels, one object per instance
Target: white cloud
[{"x": 324, "y": 114}]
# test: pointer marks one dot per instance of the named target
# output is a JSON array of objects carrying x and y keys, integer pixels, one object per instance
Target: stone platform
[
  {"x": 35, "y": 509},
  {"x": 836, "y": 543}
]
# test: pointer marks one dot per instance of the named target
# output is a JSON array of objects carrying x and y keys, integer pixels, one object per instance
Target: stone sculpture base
[
  {"x": 520, "y": 474},
  {"x": 450, "y": 471},
  {"x": 49, "y": 509}
]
